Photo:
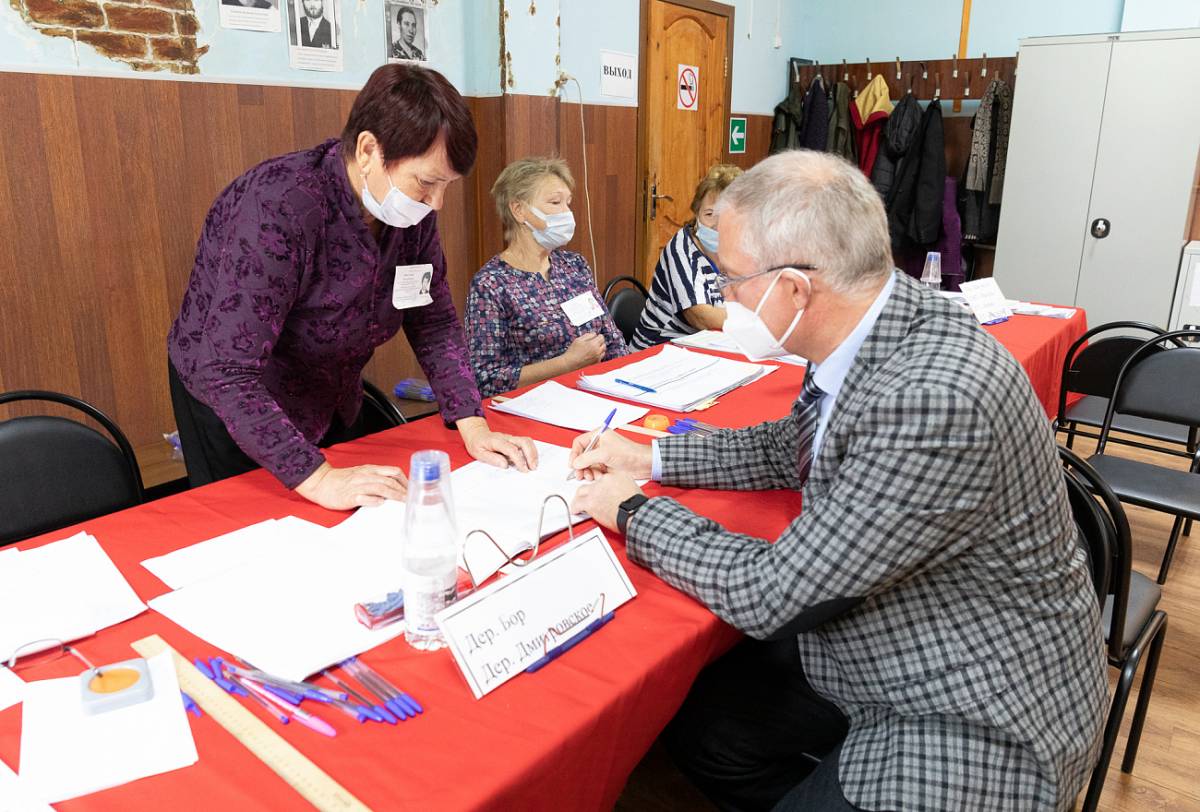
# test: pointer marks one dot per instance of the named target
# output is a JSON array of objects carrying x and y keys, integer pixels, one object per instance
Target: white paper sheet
[
  {"x": 14, "y": 798},
  {"x": 295, "y": 616},
  {"x": 717, "y": 340},
  {"x": 680, "y": 379},
  {"x": 281, "y": 538},
  {"x": 66, "y": 753},
  {"x": 64, "y": 590},
  {"x": 985, "y": 300},
  {"x": 560, "y": 405},
  {"x": 12, "y": 691}
]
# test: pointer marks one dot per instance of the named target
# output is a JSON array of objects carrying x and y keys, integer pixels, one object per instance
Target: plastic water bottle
[
  {"x": 430, "y": 555},
  {"x": 931, "y": 277}
]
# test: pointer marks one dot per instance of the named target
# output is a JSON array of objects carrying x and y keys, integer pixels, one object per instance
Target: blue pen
[
  {"x": 555, "y": 653},
  {"x": 218, "y": 667},
  {"x": 595, "y": 439},
  {"x": 190, "y": 706},
  {"x": 213, "y": 674},
  {"x": 645, "y": 389}
]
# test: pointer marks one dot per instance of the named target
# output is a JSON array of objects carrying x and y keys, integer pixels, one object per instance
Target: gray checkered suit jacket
[{"x": 967, "y": 653}]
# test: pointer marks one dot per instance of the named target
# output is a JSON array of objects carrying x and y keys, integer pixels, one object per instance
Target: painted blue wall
[{"x": 833, "y": 30}]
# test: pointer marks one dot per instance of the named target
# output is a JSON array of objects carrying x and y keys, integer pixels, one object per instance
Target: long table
[{"x": 565, "y": 737}]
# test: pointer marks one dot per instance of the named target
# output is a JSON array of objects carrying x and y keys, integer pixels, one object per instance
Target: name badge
[
  {"x": 411, "y": 288},
  {"x": 513, "y": 624},
  {"x": 582, "y": 308}
]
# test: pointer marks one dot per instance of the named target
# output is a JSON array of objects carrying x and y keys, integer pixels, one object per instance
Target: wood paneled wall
[{"x": 104, "y": 184}]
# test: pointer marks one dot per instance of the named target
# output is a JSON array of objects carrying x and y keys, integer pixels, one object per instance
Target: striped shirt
[{"x": 683, "y": 278}]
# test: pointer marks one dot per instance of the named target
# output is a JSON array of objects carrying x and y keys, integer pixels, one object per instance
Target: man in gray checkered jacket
[{"x": 941, "y": 645}]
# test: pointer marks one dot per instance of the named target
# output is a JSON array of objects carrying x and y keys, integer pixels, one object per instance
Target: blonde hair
[
  {"x": 718, "y": 177},
  {"x": 519, "y": 182}
]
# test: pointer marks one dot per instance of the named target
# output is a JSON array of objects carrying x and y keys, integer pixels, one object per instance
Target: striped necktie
[{"x": 805, "y": 414}]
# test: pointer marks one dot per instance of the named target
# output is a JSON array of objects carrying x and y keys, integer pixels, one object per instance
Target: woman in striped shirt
[{"x": 684, "y": 297}]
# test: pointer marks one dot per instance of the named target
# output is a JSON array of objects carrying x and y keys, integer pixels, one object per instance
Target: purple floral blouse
[
  {"x": 290, "y": 295},
  {"x": 515, "y": 318}
]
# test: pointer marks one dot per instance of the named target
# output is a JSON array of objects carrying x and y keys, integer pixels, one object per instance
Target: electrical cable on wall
[{"x": 587, "y": 195}]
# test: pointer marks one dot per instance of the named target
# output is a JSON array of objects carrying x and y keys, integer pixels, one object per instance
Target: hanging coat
[
  {"x": 841, "y": 131},
  {"x": 915, "y": 216},
  {"x": 912, "y": 260},
  {"x": 814, "y": 125},
  {"x": 869, "y": 114},
  {"x": 898, "y": 137},
  {"x": 789, "y": 114}
]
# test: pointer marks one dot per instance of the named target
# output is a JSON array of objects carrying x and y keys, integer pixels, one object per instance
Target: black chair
[
  {"x": 1134, "y": 626},
  {"x": 379, "y": 413},
  {"x": 1160, "y": 385},
  {"x": 55, "y": 472},
  {"x": 1091, "y": 371},
  {"x": 626, "y": 304}
]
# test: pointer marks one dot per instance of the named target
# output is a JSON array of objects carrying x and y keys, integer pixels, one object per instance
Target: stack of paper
[
  {"x": 278, "y": 538},
  {"x": 675, "y": 379},
  {"x": 717, "y": 340},
  {"x": 1031, "y": 309},
  {"x": 292, "y": 613},
  {"x": 61, "y": 591},
  {"x": 559, "y": 405},
  {"x": 66, "y": 753}
]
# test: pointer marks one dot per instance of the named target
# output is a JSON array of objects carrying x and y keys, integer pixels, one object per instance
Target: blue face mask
[{"x": 707, "y": 237}]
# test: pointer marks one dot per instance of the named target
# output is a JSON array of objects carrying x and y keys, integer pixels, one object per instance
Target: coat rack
[{"x": 949, "y": 79}]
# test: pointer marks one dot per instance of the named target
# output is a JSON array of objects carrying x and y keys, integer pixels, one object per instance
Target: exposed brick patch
[
  {"x": 139, "y": 20},
  {"x": 118, "y": 29},
  {"x": 68, "y": 13},
  {"x": 176, "y": 49},
  {"x": 115, "y": 46},
  {"x": 187, "y": 24}
]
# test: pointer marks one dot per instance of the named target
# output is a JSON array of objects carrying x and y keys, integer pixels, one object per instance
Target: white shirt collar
[{"x": 831, "y": 373}]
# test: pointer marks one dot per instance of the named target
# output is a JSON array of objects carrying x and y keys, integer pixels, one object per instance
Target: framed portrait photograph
[
  {"x": 315, "y": 33},
  {"x": 407, "y": 26}
]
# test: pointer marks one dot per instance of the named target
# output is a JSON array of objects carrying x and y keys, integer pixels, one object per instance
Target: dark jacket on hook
[
  {"x": 789, "y": 114},
  {"x": 814, "y": 127},
  {"x": 841, "y": 130},
  {"x": 915, "y": 213},
  {"x": 898, "y": 137}
]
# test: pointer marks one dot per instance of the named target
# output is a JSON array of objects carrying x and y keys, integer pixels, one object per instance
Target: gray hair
[{"x": 812, "y": 207}]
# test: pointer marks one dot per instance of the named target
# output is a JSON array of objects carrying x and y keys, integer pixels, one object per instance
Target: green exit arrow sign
[{"x": 737, "y": 135}]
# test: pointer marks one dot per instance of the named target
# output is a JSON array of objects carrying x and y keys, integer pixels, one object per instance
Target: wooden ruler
[
  {"x": 289, "y": 763},
  {"x": 631, "y": 428}
]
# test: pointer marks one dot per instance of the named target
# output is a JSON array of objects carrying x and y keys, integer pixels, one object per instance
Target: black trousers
[
  {"x": 209, "y": 451},
  {"x": 751, "y": 732}
]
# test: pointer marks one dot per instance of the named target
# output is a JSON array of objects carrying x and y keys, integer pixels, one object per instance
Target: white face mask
[
  {"x": 707, "y": 237},
  {"x": 751, "y": 333},
  {"x": 559, "y": 230},
  {"x": 397, "y": 209}
]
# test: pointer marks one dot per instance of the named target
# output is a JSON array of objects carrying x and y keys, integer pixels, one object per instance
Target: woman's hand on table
[
  {"x": 611, "y": 453},
  {"x": 347, "y": 488},
  {"x": 494, "y": 448}
]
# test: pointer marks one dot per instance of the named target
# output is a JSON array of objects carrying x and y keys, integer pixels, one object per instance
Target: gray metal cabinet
[{"x": 1102, "y": 157}]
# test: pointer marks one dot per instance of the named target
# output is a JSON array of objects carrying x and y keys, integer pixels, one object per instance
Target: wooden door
[
  {"x": 686, "y": 61},
  {"x": 1145, "y": 165}
]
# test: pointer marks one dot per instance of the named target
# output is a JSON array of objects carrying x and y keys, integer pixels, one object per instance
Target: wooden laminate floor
[{"x": 1167, "y": 773}]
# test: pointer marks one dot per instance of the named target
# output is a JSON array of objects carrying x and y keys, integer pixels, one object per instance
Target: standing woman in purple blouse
[
  {"x": 307, "y": 263},
  {"x": 534, "y": 311}
]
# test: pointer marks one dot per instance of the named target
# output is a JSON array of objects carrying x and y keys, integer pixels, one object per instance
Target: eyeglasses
[{"x": 725, "y": 281}]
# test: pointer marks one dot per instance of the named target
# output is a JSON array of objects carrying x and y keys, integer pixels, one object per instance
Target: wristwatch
[{"x": 626, "y": 509}]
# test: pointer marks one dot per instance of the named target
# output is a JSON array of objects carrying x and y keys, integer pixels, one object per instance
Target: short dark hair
[
  {"x": 407, "y": 107},
  {"x": 405, "y": 10}
]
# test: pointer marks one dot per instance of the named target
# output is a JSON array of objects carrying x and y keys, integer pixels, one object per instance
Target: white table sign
[
  {"x": 985, "y": 300},
  {"x": 499, "y": 631}
]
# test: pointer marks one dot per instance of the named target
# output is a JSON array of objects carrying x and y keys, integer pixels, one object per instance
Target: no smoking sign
[{"x": 687, "y": 87}]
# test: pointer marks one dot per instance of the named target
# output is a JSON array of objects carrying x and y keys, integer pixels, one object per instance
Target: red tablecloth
[
  {"x": 563, "y": 738},
  {"x": 1040, "y": 344}
]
